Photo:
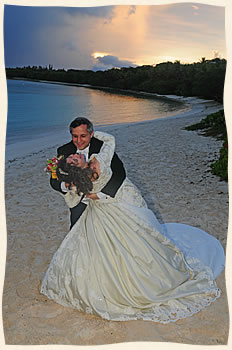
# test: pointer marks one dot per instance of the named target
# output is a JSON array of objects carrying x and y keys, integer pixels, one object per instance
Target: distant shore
[
  {"x": 193, "y": 79},
  {"x": 175, "y": 98}
]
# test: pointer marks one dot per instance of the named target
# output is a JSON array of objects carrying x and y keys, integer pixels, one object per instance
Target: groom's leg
[{"x": 76, "y": 212}]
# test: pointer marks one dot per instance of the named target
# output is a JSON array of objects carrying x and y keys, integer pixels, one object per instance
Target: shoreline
[
  {"x": 25, "y": 148},
  {"x": 112, "y": 90},
  {"x": 176, "y": 98}
]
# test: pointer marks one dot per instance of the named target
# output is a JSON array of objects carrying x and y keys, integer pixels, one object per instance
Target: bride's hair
[{"x": 80, "y": 177}]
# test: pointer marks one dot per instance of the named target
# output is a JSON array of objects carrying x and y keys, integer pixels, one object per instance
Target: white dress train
[{"x": 120, "y": 263}]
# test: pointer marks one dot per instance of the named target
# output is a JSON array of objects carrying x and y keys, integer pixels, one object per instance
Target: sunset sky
[{"x": 100, "y": 38}]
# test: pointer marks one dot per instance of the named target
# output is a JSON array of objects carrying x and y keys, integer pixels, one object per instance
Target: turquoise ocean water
[{"x": 37, "y": 111}]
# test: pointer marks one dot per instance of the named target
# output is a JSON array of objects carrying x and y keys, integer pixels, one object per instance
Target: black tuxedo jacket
[{"x": 118, "y": 171}]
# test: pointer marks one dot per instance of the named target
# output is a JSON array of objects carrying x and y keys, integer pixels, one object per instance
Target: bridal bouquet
[{"x": 52, "y": 166}]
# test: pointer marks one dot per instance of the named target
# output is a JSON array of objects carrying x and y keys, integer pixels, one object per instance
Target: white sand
[{"x": 177, "y": 186}]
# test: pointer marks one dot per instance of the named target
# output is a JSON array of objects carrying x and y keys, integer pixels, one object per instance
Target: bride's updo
[{"x": 80, "y": 177}]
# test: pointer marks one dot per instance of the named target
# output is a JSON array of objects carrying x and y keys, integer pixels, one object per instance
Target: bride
[{"x": 119, "y": 262}]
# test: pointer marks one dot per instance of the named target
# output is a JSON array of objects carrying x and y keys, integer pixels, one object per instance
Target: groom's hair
[{"x": 81, "y": 121}]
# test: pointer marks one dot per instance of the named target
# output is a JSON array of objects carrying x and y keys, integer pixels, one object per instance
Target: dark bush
[{"x": 214, "y": 125}]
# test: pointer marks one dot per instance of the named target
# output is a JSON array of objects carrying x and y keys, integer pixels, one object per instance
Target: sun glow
[
  {"x": 183, "y": 59},
  {"x": 99, "y": 54},
  {"x": 160, "y": 59}
]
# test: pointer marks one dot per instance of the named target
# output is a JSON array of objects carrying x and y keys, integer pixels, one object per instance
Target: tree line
[{"x": 204, "y": 79}]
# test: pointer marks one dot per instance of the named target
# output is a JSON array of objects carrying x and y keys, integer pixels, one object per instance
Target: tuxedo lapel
[
  {"x": 67, "y": 149},
  {"x": 95, "y": 146},
  {"x": 73, "y": 148}
]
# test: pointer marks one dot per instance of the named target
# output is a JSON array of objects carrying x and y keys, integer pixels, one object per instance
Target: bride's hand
[{"x": 92, "y": 196}]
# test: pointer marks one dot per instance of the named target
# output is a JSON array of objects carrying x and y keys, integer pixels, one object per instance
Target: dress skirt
[{"x": 120, "y": 263}]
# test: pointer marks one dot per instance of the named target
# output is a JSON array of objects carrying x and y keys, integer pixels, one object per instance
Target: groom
[{"x": 85, "y": 143}]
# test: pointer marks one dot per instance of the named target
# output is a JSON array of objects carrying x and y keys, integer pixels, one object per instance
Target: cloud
[
  {"x": 216, "y": 54},
  {"x": 109, "y": 61},
  {"x": 99, "y": 12},
  {"x": 68, "y": 45},
  {"x": 131, "y": 10},
  {"x": 67, "y": 37},
  {"x": 195, "y": 7},
  {"x": 105, "y": 13},
  {"x": 178, "y": 33}
]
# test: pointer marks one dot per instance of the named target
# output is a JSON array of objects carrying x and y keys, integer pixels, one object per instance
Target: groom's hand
[{"x": 92, "y": 196}]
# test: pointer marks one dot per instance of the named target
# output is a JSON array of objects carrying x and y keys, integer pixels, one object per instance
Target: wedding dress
[{"x": 120, "y": 263}]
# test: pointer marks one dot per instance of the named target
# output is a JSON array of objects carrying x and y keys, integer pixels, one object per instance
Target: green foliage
[
  {"x": 204, "y": 79},
  {"x": 214, "y": 125},
  {"x": 220, "y": 166}
]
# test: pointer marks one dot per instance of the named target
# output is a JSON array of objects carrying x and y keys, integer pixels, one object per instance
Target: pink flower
[{"x": 52, "y": 164}]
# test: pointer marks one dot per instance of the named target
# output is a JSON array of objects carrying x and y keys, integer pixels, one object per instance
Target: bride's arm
[
  {"x": 110, "y": 165},
  {"x": 104, "y": 157},
  {"x": 71, "y": 197}
]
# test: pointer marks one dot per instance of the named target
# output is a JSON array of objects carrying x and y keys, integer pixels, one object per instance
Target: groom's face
[{"x": 81, "y": 137}]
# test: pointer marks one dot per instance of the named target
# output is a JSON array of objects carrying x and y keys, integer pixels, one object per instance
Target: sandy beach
[{"x": 177, "y": 185}]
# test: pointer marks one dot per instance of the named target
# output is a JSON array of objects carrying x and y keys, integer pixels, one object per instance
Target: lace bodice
[{"x": 104, "y": 158}]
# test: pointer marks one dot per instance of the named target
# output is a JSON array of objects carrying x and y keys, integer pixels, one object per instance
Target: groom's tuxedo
[{"x": 111, "y": 188}]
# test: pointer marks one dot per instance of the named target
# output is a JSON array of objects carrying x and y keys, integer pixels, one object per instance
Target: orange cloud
[{"x": 139, "y": 35}]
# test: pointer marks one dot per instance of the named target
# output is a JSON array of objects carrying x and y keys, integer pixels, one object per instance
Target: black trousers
[{"x": 76, "y": 212}]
